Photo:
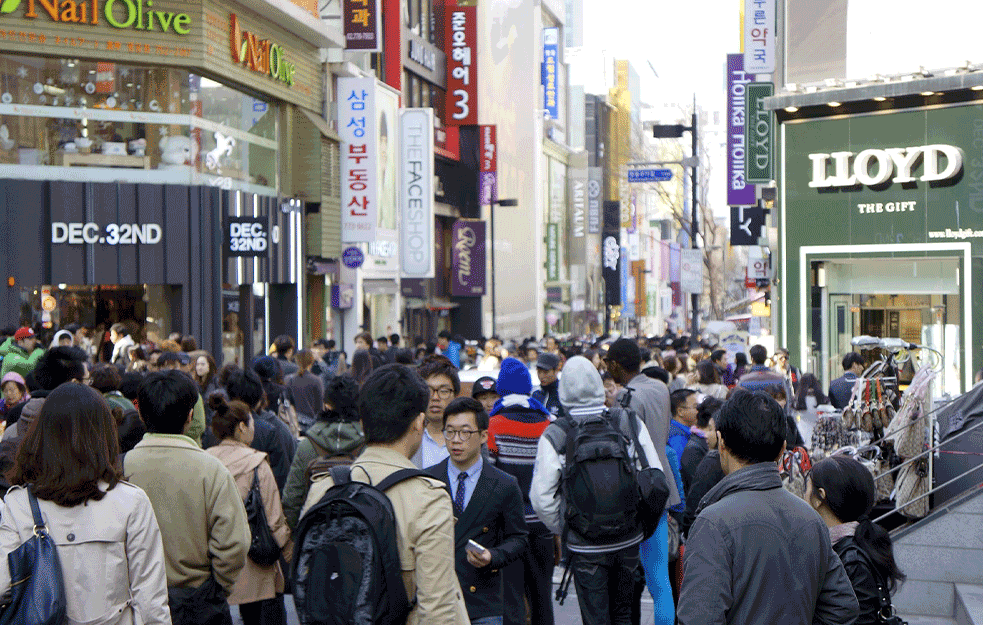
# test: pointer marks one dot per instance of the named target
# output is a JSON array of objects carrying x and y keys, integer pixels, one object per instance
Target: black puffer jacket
[{"x": 863, "y": 577}]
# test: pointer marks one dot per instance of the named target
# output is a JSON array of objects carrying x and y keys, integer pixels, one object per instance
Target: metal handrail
[{"x": 902, "y": 507}]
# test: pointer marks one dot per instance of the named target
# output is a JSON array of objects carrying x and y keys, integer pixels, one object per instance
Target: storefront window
[{"x": 72, "y": 119}]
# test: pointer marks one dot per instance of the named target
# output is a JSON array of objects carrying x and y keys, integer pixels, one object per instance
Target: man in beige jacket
[
  {"x": 391, "y": 404},
  {"x": 201, "y": 515}
]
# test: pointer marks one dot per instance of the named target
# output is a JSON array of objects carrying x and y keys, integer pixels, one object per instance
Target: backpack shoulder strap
[
  {"x": 400, "y": 476},
  {"x": 558, "y": 435},
  {"x": 632, "y": 419},
  {"x": 625, "y": 400}
]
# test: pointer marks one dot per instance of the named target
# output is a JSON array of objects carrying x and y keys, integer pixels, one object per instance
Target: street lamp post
[
  {"x": 675, "y": 131},
  {"x": 506, "y": 203}
]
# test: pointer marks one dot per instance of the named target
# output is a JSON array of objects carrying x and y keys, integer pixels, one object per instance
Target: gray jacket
[
  {"x": 757, "y": 554},
  {"x": 650, "y": 399}
]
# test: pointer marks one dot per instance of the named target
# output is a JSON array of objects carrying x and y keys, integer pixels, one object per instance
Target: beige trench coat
[
  {"x": 111, "y": 554},
  {"x": 256, "y": 582}
]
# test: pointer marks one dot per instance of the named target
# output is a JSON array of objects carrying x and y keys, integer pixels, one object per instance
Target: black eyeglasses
[{"x": 463, "y": 435}]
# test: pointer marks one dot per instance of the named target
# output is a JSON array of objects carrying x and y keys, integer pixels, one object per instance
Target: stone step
[
  {"x": 928, "y": 620},
  {"x": 969, "y": 604}
]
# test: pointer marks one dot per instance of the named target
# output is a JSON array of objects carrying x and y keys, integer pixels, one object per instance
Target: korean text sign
[
  {"x": 461, "y": 41},
  {"x": 416, "y": 197},
  {"x": 759, "y": 36},
  {"x": 359, "y": 159},
  {"x": 551, "y": 37},
  {"x": 739, "y": 191},
  {"x": 362, "y": 25},
  {"x": 487, "y": 165}
]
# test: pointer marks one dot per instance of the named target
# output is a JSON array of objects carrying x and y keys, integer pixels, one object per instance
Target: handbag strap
[{"x": 39, "y": 527}]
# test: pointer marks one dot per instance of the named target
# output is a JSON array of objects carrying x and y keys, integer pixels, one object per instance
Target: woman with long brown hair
[{"x": 108, "y": 540}]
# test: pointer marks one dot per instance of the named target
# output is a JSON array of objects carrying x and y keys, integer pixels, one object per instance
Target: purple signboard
[
  {"x": 739, "y": 191},
  {"x": 468, "y": 258}
]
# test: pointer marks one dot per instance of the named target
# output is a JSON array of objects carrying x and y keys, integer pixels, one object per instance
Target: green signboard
[
  {"x": 552, "y": 252},
  {"x": 759, "y": 134}
]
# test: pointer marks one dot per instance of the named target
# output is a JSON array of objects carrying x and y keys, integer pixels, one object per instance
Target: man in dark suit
[
  {"x": 488, "y": 507},
  {"x": 841, "y": 388}
]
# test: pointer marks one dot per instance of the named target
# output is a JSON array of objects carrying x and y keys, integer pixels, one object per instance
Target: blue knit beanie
[{"x": 513, "y": 378}]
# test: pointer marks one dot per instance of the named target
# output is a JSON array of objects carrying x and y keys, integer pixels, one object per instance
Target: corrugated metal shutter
[{"x": 330, "y": 198}]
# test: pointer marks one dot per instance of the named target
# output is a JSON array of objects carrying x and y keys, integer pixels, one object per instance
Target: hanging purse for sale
[
  {"x": 794, "y": 466},
  {"x": 913, "y": 481},
  {"x": 37, "y": 587}
]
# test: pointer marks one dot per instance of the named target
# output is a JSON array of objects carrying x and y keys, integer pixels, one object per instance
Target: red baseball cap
[{"x": 23, "y": 333}]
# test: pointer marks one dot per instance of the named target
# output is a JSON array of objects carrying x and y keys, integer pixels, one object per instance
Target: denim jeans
[
  {"x": 655, "y": 560},
  {"x": 605, "y": 585},
  {"x": 487, "y": 620}
]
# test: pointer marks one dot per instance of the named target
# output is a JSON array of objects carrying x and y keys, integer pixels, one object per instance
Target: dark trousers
[
  {"x": 530, "y": 578},
  {"x": 266, "y": 612},
  {"x": 605, "y": 586}
]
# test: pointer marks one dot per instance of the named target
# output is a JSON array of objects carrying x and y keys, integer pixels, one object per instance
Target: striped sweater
[{"x": 513, "y": 437}]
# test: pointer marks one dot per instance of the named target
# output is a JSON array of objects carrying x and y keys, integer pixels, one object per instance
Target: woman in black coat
[{"x": 842, "y": 491}]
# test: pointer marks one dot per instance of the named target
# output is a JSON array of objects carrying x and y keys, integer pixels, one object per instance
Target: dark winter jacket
[
  {"x": 334, "y": 438},
  {"x": 549, "y": 396},
  {"x": 273, "y": 437},
  {"x": 757, "y": 554},
  {"x": 863, "y": 577},
  {"x": 696, "y": 448},
  {"x": 708, "y": 474}
]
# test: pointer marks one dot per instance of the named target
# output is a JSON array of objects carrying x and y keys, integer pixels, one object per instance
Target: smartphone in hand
[{"x": 475, "y": 548}]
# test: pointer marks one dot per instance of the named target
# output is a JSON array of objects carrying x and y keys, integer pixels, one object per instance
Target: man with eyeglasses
[
  {"x": 490, "y": 531},
  {"x": 444, "y": 384}
]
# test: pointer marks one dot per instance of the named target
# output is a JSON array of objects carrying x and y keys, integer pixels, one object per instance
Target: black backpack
[
  {"x": 599, "y": 485},
  {"x": 346, "y": 567}
]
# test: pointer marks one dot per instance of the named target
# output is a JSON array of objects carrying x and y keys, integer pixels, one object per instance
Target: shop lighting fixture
[
  {"x": 834, "y": 104},
  {"x": 879, "y": 98},
  {"x": 977, "y": 88},
  {"x": 92, "y": 71},
  {"x": 791, "y": 109},
  {"x": 928, "y": 93}
]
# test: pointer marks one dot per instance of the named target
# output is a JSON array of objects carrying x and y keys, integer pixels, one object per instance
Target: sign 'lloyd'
[{"x": 878, "y": 166}]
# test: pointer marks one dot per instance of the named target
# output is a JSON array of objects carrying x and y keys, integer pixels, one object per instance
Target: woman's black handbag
[
  {"x": 263, "y": 549},
  {"x": 37, "y": 587},
  {"x": 652, "y": 483}
]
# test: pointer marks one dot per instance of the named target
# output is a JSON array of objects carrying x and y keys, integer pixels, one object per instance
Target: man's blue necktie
[{"x": 459, "y": 497}]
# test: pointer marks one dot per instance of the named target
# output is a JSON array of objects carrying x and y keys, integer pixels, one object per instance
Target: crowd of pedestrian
[{"x": 175, "y": 489}]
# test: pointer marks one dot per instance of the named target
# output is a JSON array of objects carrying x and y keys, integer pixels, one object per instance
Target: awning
[
  {"x": 380, "y": 287},
  {"x": 321, "y": 125}
]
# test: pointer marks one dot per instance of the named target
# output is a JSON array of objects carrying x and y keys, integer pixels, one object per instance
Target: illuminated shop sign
[
  {"x": 875, "y": 167},
  {"x": 135, "y": 14},
  {"x": 260, "y": 55}
]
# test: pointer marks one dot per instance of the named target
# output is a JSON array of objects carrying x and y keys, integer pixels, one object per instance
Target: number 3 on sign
[{"x": 461, "y": 104}]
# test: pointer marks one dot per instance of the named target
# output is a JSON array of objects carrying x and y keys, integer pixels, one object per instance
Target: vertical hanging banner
[
  {"x": 611, "y": 253},
  {"x": 468, "y": 258},
  {"x": 363, "y": 24},
  {"x": 359, "y": 159},
  {"x": 759, "y": 134},
  {"x": 759, "y": 36},
  {"x": 461, "y": 43},
  {"x": 594, "y": 175},
  {"x": 691, "y": 270},
  {"x": 551, "y": 40},
  {"x": 739, "y": 191},
  {"x": 416, "y": 197},
  {"x": 552, "y": 252},
  {"x": 487, "y": 165},
  {"x": 577, "y": 198}
]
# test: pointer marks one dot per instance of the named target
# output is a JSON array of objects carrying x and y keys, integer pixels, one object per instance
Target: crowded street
[{"x": 497, "y": 312}]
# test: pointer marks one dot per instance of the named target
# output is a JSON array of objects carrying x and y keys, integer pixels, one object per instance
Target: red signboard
[
  {"x": 461, "y": 46},
  {"x": 362, "y": 26}
]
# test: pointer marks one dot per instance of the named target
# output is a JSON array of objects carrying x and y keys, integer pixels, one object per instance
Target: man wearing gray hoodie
[{"x": 604, "y": 573}]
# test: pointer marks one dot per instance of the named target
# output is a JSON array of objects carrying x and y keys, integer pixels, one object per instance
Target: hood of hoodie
[
  {"x": 237, "y": 458},
  {"x": 59, "y": 334},
  {"x": 337, "y": 437},
  {"x": 759, "y": 476},
  {"x": 581, "y": 385}
]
